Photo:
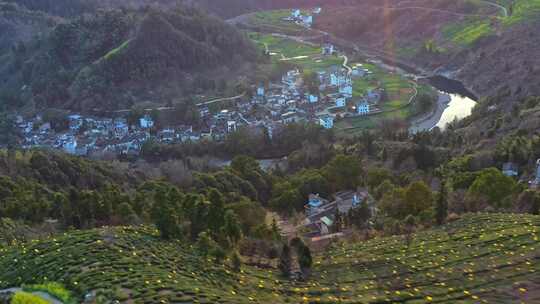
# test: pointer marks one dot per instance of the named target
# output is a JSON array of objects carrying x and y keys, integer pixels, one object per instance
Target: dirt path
[
  {"x": 286, "y": 228},
  {"x": 220, "y": 99}
]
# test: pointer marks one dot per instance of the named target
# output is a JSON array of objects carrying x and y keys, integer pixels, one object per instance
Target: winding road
[
  {"x": 503, "y": 9},
  {"x": 345, "y": 64}
]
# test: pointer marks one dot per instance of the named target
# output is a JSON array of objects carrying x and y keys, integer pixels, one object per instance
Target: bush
[
  {"x": 494, "y": 186},
  {"x": 55, "y": 289},
  {"x": 27, "y": 298}
]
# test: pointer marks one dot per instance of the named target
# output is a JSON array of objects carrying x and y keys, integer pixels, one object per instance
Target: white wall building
[
  {"x": 146, "y": 122},
  {"x": 326, "y": 121},
  {"x": 341, "y": 102},
  {"x": 362, "y": 108}
]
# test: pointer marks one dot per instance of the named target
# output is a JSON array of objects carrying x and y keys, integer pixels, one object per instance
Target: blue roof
[{"x": 315, "y": 202}]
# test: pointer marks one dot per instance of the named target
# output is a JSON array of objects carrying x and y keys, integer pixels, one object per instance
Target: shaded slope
[{"x": 111, "y": 59}]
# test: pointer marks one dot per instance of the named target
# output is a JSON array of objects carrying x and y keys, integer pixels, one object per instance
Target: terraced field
[
  {"x": 287, "y": 50},
  {"x": 274, "y": 20},
  {"x": 483, "y": 258}
]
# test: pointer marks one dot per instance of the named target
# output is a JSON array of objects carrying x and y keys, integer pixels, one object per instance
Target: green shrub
[
  {"x": 27, "y": 298},
  {"x": 55, "y": 289}
]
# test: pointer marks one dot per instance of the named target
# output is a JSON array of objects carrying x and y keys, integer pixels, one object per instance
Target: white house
[
  {"x": 313, "y": 98},
  {"x": 317, "y": 10},
  {"x": 70, "y": 146},
  {"x": 307, "y": 20},
  {"x": 340, "y": 102},
  {"x": 346, "y": 90},
  {"x": 204, "y": 111},
  {"x": 326, "y": 121},
  {"x": 510, "y": 169},
  {"x": 289, "y": 117},
  {"x": 121, "y": 128},
  {"x": 333, "y": 79},
  {"x": 75, "y": 121},
  {"x": 536, "y": 181},
  {"x": 362, "y": 108},
  {"x": 260, "y": 91},
  {"x": 231, "y": 126},
  {"x": 146, "y": 122},
  {"x": 328, "y": 49},
  {"x": 358, "y": 71}
]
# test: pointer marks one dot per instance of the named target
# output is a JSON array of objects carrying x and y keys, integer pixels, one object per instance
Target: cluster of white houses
[
  {"x": 272, "y": 106},
  {"x": 512, "y": 170},
  {"x": 291, "y": 101},
  {"x": 86, "y": 135},
  {"x": 321, "y": 214},
  {"x": 304, "y": 18}
]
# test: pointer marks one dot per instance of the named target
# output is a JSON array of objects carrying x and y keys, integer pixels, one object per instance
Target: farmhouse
[
  {"x": 328, "y": 49},
  {"x": 321, "y": 214},
  {"x": 340, "y": 102},
  {"x": 326, "y": 121},
  {"x": 362, "y": 108},
  {"x": 146, "y": 122},
  {"x": 510, "y": 169}
]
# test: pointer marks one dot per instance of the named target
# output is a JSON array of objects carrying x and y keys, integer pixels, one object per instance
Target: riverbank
[{"x": 430, "y": 120}]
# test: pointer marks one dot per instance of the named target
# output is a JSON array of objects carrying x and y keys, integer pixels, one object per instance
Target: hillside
[
  {"x": 70, "y": 8},
  {"x": 491, "y": 258},
  {"x": 140, "y": 53},
  {"x": 17, "y": 24},
  {"x": 473, "y": 41}
]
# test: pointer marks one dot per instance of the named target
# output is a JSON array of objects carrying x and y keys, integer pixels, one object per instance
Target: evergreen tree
[
  {"x": 231, "y": 228},
  {"x": 236, "y": 262},
  {"x": 441, "y": 208},
  {"x": 304, "y": 259},
  {"x": 275, "y": 230},
  {"x": 216, "y": 210},
  {"x": 285, "y": 261}
]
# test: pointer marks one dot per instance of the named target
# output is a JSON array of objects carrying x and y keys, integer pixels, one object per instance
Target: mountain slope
[
  {"x": 482, "y": 257},
  {"x": 115, "y": 58},
  {"x": 471, "y": 41},
  {"x": 17, "y": 24}
]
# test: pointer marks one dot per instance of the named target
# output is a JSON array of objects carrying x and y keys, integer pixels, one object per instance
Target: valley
[{"x": 269, "y": 151}]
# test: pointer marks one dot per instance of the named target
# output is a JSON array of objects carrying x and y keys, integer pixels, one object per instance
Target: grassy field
[
  {"x": 274, "y": 19},
  {"x": 305, "y": 55},
  {"x": 482, "y": 258},
  {"x": 523, "y": 11},
  {"x": 465, "y": 33},
  {"x": 468, "y": 31}
]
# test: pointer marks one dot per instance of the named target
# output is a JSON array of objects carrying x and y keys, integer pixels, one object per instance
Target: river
[
  {"x": 459, "y": 102},
  {"x": 454, "y": 102}
]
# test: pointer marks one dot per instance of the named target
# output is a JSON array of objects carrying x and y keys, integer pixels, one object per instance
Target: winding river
[{"x": 459, "y": 101}]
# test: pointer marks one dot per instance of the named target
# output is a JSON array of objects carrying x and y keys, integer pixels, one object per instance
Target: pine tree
[
  {"x": 285, "y": 261},
  {"x": 442, "y": 205},
  {"x": 275, "y": 230},
  {"x": 236, "y": 262}
]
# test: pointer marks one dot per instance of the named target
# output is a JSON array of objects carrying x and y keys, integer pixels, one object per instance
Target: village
[{"x": 271, "y": 106}]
